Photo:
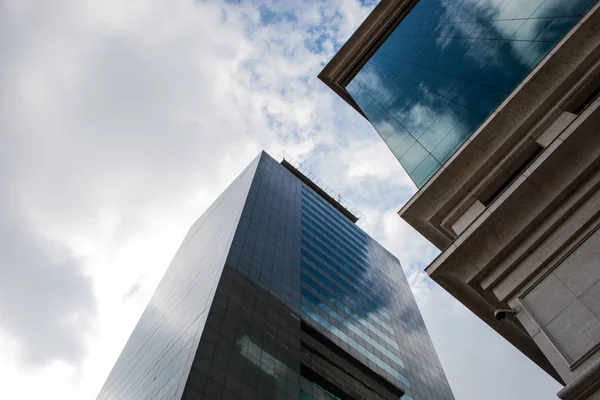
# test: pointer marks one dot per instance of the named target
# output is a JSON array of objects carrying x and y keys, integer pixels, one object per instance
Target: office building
[
  {"x": 276, "y": 293},
  {"x": 491, "y": 107}
]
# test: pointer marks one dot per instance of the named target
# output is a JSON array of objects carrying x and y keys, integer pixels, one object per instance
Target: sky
[{"x": 120, "y": 123}]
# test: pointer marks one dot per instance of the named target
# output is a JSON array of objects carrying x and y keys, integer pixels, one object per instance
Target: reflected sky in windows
[{"x": 448, "y": 65}]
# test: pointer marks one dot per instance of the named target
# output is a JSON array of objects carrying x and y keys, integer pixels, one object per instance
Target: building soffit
[
  {"x": 521, "y": 231},
  {"x": 363, "y": 43}
]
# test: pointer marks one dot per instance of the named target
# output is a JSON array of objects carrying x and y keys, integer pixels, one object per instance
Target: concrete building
[
  {"x": 491, "y": 106},
  {"x": 275, "y": 293}
]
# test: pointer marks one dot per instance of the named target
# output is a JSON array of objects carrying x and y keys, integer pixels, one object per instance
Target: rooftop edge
[{"x": 345, "y": 212}]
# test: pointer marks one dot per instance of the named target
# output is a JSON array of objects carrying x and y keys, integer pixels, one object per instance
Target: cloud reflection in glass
[{"x": 448, "y": 65}]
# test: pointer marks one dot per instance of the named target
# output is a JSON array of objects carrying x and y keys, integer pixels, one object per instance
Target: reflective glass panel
[{"x": 448, "y": 65}]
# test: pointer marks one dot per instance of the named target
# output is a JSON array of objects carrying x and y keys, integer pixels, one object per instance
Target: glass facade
[
  {"x": 157, "y": 358},
  {"x": 354, "y": 291},
  {"x": 448, "y": 65},
  {"x": 275, "y": 294}
]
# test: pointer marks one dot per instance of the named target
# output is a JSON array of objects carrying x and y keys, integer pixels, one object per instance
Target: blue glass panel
[
  {"x": 347, "y": 282},
  {"x": 413, "y": 157},
  {"x": 399, "y": 142},
  {"x": 445, "y": 53},
  {"x": 425, "y": 170}
]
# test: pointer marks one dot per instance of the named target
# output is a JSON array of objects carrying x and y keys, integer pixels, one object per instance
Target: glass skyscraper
[
  {"x": 447, "y": 66},
  {"x": 275, "y": 293}
]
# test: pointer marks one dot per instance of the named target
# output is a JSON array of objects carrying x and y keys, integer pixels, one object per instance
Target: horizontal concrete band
[{"x": 582, "y": 386}]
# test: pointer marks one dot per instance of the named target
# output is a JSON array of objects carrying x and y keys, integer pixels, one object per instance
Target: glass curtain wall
[{"x": 448, "y": 65}]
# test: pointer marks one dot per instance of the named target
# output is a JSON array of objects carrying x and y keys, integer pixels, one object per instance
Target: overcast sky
[{"x": 121, "y": 121}]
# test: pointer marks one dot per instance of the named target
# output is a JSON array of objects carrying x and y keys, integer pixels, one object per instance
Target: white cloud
[{"x": 120, "y": 122}]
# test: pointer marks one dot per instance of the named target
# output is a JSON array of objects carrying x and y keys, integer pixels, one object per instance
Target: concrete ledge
[
  {"x": 525, "y": 228},
  {"x": 584, "y": 386}
]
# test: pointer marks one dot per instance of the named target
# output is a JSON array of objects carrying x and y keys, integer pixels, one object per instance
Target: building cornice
[{"x": 538, "y": 221}]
